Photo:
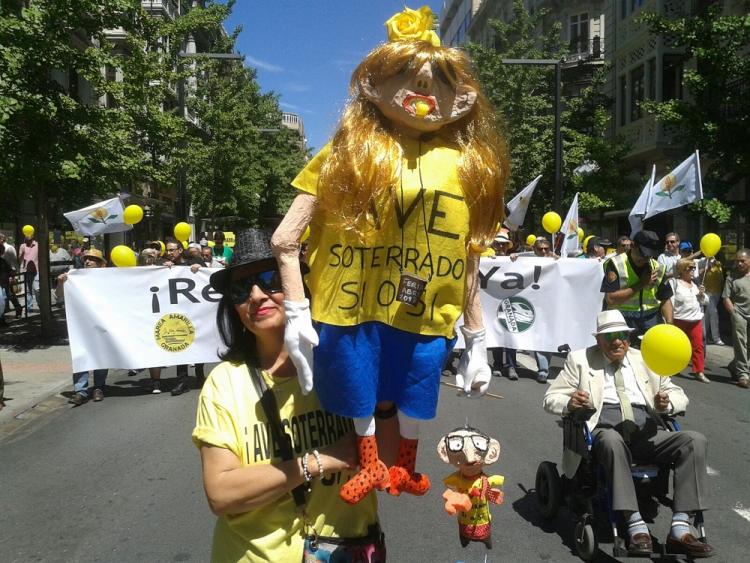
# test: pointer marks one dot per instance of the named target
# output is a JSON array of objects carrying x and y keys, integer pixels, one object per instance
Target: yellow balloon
[
  {"x": 666, "y": 350},
  {"x": 162, "y": 248},
  {"x": 184, "y": 243},
  {"x": 28, "y": 231},
  {"x": 530, "y": 240},
  {"x": 580, "y": 234},
  {"x": 477, "y": 248},
  {"x": 551, "y": 222},
  {"x": 710, "y": 244},
  {"x": 211, "y": 244},
  {"x": 122, "y": 256},
  {"x": 306, "y": 234},
  {"x": 182, "y": 231},
  {"x": 132, "y": 214},
  {"x": 585, "y": 244}
]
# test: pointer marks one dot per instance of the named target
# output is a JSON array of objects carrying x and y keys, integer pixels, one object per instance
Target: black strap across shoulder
[{"x": 271, "y": 409}]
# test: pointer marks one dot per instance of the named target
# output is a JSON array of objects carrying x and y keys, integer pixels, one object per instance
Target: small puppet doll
[
  {"x": 400, "y": 205},
  {"x": 470, "y": 491}
]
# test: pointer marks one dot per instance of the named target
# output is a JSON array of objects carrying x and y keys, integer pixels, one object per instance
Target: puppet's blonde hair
[{"x": 365, "y": 155}]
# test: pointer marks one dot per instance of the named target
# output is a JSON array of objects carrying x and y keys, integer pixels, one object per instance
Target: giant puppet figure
[{"x": 400, "y": 203}]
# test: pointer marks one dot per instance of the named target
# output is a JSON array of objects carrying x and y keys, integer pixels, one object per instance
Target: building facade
[{"x": 294, "y": 122}]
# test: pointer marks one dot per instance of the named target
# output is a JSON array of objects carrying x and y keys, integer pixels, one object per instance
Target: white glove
[
  {"x": 473, "y": 373},
  {"x": 300, "y": 338}
]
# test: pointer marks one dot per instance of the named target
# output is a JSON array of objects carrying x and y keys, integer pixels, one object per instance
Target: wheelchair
[{"x": 587, "y": 494}]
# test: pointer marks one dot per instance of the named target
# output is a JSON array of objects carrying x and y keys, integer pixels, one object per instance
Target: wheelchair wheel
[
  {"x": 548, "y": 489},
  {"x": 585, "y": 539}
]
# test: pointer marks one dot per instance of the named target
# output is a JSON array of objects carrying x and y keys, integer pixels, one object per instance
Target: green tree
[
  {"x": 524, "y": 96},
  {"x": 59, "y": 143},
  {"x": 54, "y": 136},
  {"x": 714, "y": 114},
  {"x": 240, "y": 160}
]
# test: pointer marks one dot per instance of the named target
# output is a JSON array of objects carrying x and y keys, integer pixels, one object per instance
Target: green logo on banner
[{"x": 516, "y": 314}]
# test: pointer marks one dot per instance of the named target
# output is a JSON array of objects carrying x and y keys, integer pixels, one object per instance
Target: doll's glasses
[
  {"x": 269, "y": 282},
  {"x": 455, "y": 442}
]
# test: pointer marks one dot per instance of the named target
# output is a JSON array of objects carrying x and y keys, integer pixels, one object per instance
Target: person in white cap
[{"x": 627, "y": 398}]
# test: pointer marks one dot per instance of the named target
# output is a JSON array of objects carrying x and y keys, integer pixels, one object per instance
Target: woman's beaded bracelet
[
  {"x": 305, "y": 470},
  {"x": 316, "y": 453}
]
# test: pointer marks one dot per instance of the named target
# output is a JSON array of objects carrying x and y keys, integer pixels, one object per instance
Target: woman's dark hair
[{"x": 240, "y": 342}]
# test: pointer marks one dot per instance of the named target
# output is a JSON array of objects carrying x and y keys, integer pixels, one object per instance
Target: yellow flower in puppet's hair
[{"x": 413, "y": 25}]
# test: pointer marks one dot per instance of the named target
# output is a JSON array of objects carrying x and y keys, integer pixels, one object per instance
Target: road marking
[
  {"x": 744, "y": 512},
  {"x": 712, "y": 471}
]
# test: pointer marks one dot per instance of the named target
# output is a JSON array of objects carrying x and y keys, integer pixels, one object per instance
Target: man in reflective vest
[{"x": 636, "y": 285}]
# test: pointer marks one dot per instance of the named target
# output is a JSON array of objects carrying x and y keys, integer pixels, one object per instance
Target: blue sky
[{"x": 305, "y": 51}]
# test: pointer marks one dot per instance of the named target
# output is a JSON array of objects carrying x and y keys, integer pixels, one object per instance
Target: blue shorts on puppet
[{"x": 356, "y": 367}]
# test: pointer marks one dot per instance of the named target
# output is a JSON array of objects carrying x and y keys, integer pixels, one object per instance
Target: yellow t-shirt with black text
[
  {"x": 355, "y": 280},
  {"x": 230, "y": 416}
]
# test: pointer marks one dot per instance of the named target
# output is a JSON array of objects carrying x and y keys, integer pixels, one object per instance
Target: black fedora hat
[{"x": 252, "y": 252}]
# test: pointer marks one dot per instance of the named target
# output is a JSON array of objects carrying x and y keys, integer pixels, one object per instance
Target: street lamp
[
  {"x": 181, "y": 205},
  {"x": 557, "y": 196}
]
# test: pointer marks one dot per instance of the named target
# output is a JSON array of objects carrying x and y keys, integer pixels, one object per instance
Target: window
[
  {"x": 671, "y": 78},
  {"x": 73, "y": 84},
  {"x": 110, "y": 73},
  {"x": 579, "y": 33},
  {"x": 652, "y": 79},
  {"x": 636, "y": 93},
  {"x": 623, "y": 95}
]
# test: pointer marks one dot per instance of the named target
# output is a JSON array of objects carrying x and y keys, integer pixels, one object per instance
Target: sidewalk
[{"x": 33, "y": 369}]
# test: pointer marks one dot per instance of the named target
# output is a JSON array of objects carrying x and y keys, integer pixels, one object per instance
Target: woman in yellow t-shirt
[{"x": 272, "y": 494}]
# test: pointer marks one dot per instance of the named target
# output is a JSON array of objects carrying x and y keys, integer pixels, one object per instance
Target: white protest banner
[
  {"x": 517, "y": 207},
  {"x": 539, "y": 303},
  {"x": 638, "y": 212},
  {"x": 141, "y": 317},
  {"x": 570, "y": 244},
  {"x": 99, "y": 218},
  {"x": 681, "y": 186}
]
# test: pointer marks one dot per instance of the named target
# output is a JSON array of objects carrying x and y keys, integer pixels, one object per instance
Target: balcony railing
[
  {"x": 166, "y": 8},
  {"x": 585, "y": 49}
]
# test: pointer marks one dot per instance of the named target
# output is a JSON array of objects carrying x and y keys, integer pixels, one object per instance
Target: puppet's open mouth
[{"x": 419, "y": 105}]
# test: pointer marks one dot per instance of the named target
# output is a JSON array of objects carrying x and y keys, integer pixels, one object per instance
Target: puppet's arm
[
  {"x": 455, "y": 502},
  {"x": 299, "y": 335},
  {"x": 473, "y": 373}
]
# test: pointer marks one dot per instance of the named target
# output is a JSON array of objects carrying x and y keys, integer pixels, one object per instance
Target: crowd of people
[
  {"x": 619, "y": 388},
  {"x": 650, "y": 281},
  {"x": 172, "y": 252}
]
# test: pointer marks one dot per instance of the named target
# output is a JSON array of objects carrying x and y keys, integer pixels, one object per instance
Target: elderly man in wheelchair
[{"x": 608, "y": 396}]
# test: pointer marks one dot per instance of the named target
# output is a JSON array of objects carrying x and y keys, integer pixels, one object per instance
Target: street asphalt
[{"x": 120, "y": 480}]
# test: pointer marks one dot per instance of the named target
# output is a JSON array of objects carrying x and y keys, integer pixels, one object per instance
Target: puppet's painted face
[
  {"x": 420, "y": 101},
  {"x": 468, "y": 450}
]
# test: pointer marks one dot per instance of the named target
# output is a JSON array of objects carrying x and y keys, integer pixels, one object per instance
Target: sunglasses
[
  {"x": 455, "y": 442},
  {"x": 619, "y": 335},
  {"x": 268, "y": 282}
]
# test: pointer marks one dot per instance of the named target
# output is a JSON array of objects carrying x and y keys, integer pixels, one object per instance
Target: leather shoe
[
  {"x": 689, "y": 545},
  {"x": 77, "y": 400},
  {"x": 180, "y": 388},
  {"x": 640, "y": 545}
]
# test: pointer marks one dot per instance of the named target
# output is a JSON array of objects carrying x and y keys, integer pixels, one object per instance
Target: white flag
[
  {"x": 680, "y": 187},
  {"x": 100, "y": 218},
  {"x": 516, "y": 208},
  {"x": 570, "y": 243},
  {"x": 641, "y": 206}
]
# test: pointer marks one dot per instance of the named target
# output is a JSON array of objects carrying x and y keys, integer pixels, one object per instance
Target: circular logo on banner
[
  {"x": 516, "y": 314},
  {"x": 174, "y": 332}
]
